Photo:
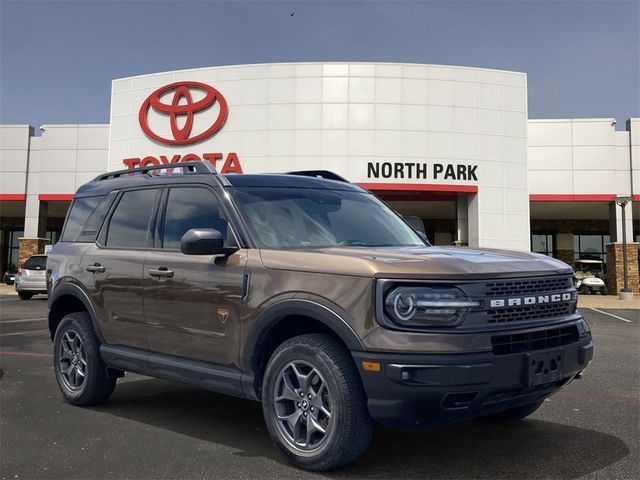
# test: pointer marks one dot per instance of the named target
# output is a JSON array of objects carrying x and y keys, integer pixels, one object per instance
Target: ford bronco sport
[{"x": 309, "y": 295}]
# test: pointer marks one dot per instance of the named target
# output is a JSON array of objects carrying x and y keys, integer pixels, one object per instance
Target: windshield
[{"x": 313, "y": 218}]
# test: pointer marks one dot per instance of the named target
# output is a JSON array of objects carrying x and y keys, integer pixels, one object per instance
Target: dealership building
[{"x": 451, "y": 145}]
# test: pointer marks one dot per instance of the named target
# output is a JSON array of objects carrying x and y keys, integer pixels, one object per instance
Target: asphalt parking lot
[{"x": 153, "y": 429}]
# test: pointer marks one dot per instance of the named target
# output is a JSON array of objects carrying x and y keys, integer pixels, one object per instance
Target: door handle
[
  {"x": 95, "y": 268},
  {"x": 162, "y": 272}
]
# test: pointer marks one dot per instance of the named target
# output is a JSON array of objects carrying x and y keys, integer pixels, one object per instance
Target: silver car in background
[{"x": 31, "y": 277}]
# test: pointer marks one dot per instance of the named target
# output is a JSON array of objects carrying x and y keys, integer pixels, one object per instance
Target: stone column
[
  {"x": 564, "y": 248},
  {"x": 30, "y": 246},
  {"x": 615, "y": 275},
  {"x": 35, "y": 228}
]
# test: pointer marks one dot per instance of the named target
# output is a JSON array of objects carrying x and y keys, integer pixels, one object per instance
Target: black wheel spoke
[{"x": 72, "y": 361}]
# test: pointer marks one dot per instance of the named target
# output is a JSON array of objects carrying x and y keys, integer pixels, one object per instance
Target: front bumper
[{"x": 418, "y": 390}]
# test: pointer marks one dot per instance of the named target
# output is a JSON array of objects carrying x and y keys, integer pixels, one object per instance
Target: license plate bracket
[{"x": 543, "y": 367}]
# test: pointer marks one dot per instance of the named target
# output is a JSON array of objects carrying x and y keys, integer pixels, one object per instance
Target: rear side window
[
  {"x": 130, "y": 224},
  {"x": 36, "y": 263},
  {"x": 80, "y": 211},
  {"x": 191, "y": 207}
]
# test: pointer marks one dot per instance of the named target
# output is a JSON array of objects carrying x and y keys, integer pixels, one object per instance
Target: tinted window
[
  {"x": 36, "y": 263},
  {"x": 130, "y": 223},
  {"x": 189, "y": 208},
  {"x": 308, "y": 218},
  {"x": 78, "y": 214},
  {"x": 94, "y": 222}
]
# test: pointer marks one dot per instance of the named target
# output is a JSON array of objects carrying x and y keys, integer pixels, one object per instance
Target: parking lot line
[
  {"x": 2, "y": 322},
  {"x": 611, "y": 315},
  {"x": 35, "y": 332}
]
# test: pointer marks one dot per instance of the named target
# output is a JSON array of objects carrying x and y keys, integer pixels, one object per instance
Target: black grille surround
[
  {"x": 503, "y": 304},
  {"x": 521, "y": 300}
]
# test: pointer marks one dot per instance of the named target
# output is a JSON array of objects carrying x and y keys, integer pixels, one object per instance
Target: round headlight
[{"x": 404, "y": 306}]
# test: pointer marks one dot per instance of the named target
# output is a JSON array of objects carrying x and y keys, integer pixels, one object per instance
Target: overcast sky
[{"x": 57, "y": 59}]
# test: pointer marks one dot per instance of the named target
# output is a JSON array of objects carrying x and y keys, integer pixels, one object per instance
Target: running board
[{"x": 208, "y": 376}]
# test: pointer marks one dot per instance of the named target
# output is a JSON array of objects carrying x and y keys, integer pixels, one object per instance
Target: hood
[{"x": 415, "y": 262}]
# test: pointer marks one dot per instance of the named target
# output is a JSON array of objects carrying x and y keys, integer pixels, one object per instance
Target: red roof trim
[
  {"x": 420, "y": 187},
  {"x": 55, "y": 197},
  {"x": 13, "y": 196}
]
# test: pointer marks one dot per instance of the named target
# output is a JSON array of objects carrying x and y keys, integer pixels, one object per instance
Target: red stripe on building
[
  {"x": 13, "y": 196},
  {"x": 55, "y": 197},
  {"x": 420, "y": 187}
]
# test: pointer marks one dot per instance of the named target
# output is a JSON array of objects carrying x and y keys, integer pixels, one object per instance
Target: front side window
[
  {"x": 191, "y": 207},
  {"x": 314, "y": 218},
  {"x": 130, "y": 225}
]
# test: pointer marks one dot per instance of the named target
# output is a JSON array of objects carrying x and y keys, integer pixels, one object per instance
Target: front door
[{"x": 192, "y": 302}]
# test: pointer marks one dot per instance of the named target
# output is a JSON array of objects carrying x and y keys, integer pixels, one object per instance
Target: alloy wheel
[
  {"x": 72, "y": 361},
  {"x": 303, "y": 406}
]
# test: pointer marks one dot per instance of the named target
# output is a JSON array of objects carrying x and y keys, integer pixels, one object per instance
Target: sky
[{"x": 57, "y": 58}]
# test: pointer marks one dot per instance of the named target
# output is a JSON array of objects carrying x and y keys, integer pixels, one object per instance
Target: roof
[
  {"x": 275, "y": 180},
  {"x": 270, "y": 180}
]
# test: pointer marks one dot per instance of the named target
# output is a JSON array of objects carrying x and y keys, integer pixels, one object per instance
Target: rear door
[
  {"x": 112, "y": 267},
  {"x": 192, "y": 302}
]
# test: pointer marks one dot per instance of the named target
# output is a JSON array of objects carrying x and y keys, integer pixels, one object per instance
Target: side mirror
[
  {"x": 204, "y": 241},
  {"x": 416, "y": 223}
]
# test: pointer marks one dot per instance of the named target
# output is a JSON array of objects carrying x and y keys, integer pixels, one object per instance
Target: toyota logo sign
[{"x": 182, "y": 105}]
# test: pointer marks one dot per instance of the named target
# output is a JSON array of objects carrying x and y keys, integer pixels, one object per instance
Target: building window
[
  {"x": 14, "y": 247},
  {"x": 542, "y": 243},
  {"x": 590, "y": 247}
]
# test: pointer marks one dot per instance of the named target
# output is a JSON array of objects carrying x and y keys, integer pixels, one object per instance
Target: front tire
[
  {"x": 80, "y": 371},
  {"x": 515, "y": 414},
  {"x": 314, "y": 404}
]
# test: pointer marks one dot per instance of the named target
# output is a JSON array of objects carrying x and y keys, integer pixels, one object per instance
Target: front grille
[
  {"x": 532, "y": 312},
  {"x": 538, "y": 340},
  {"x": 525, "y": 287}
]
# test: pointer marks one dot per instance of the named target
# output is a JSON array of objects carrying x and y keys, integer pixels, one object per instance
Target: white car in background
[{"x": 31, "y": 277}]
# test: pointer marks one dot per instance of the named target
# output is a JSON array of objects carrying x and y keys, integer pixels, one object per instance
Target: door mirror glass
[
  {"x": 416, "y": 223},
  {"x": 204, "y": 241}
]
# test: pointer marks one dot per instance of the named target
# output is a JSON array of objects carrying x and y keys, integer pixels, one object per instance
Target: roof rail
[
  {"x": 187, "y": 167},
  {"x": 326, "y": 174}
]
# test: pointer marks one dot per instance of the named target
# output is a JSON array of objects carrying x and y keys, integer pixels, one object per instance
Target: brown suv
[{"x": 309, "y": 295}]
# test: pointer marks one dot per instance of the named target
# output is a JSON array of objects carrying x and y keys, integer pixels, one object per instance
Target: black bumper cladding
[{"x": 418, "y": 390}]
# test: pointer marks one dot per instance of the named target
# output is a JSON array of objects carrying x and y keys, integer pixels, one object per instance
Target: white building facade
[{"x": 452, "y": 145}]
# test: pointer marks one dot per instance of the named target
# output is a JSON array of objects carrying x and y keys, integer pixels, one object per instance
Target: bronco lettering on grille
[{"x": 532, "y": 300}]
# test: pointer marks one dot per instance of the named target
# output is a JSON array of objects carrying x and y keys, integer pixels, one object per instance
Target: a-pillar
[{"x": 35, "y": 229}]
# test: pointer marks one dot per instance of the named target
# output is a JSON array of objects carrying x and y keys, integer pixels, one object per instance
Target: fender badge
[{"x": 223, "y": 314}]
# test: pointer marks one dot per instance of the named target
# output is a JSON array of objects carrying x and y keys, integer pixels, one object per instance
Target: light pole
[{"x": 625, "y": 293}]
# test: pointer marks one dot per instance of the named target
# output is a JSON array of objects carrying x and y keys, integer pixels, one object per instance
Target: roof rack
[
  {"x": 326, "y": 174},
  {"x": 187, "y": 167}
]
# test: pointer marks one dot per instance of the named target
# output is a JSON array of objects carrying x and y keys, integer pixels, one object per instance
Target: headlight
[{"x": 427, "y": 306}]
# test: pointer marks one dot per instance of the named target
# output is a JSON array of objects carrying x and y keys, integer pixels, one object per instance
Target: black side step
[{"x": 208, "y": 376}]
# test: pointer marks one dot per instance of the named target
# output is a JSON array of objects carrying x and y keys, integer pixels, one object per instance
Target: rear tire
[
  {"x": 80, "y": 371},
  {"x": 515, "y": 414},
  {"x": 311, "y": 385},
  {"x": 25, "y": 296}
]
